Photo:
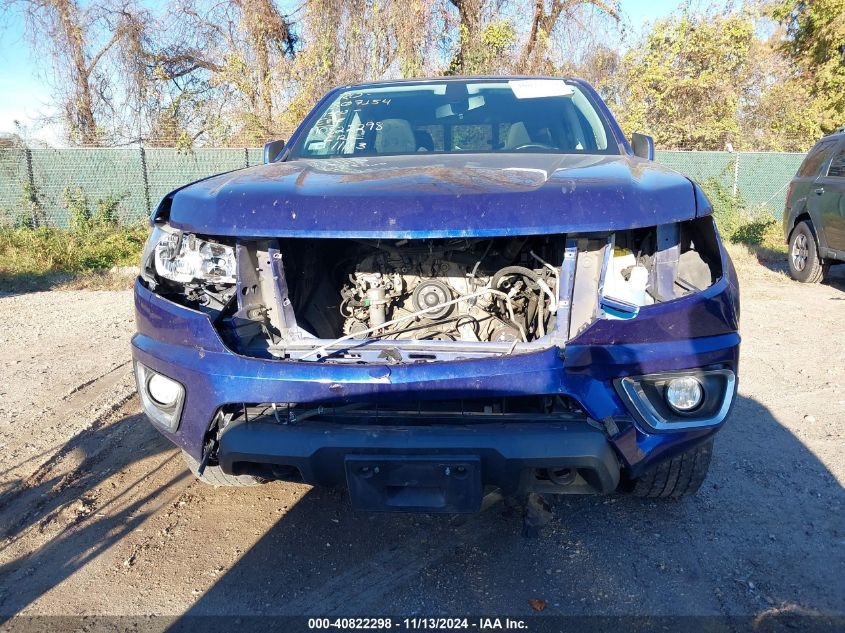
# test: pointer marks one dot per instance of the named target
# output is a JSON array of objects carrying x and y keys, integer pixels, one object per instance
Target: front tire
[
  {"x": 679, "y": 477},
  {"x": 805, "y": 265},
  {"x": 214, "y": 475}
]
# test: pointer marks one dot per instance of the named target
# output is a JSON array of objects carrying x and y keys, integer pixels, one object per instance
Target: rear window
[
  {"x": 837, "y": 165},
  {"x": 816, "y": 158}
]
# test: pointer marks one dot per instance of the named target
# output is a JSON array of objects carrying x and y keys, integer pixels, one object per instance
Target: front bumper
[
  {"x": 319, "y": 451},
  {"x": 695, "y": 331}
]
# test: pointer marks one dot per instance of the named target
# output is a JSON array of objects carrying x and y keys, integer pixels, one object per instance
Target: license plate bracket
[{"x": 414, "y": 483}]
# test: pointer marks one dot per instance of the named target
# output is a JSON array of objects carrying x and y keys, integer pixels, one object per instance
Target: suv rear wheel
[
  {"x": 681, "y": 476},
  {"x": 805, "y": 265}
]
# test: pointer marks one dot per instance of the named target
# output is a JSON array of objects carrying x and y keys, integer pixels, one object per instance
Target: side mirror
[
  {"x": 272, "y": 150},
  {"x": 642, "y": 145}
]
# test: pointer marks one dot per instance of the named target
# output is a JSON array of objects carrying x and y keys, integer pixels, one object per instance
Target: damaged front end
[
  {"x": 295, "y": 357},
  {"x": 471, "y": 290},
  {"x": 425, "y": 300}
]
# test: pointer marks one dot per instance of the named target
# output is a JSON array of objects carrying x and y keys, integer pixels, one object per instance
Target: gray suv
[{"x": 814, "y": 218}]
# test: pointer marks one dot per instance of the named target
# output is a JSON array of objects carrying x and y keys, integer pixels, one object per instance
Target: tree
[
  {"x": 265, "y": 29},
  {"x": 815, "y": 43},
  {"x": 490, "y": 50},
  {"x": 683, "y": 83},
  {"x": 413, "y": 28},
  {"x": 773, "y": 115},
  {"x": 222, "y": 60},
  {"x": 343, "y": 42},
  {"x": 243, "y": 72},
  {"x": 240, "y": 72},
  {"x": 701, "y": 81},
  {"x": 347, "y": 41},
  {"x": 545, "y": 19},
  {"x": 469, "y": 26},
  {"x": 82, "y": 41}
]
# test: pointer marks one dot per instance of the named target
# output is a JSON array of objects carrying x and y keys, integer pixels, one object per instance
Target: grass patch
[
  {"x": 119, "y": 279},
  {"x": 756, "y": 232},
  {"x": 46, "y": 257},
  {"x": 760, "y": 233}
]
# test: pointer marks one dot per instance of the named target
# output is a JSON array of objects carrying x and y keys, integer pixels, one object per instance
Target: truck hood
[{"x": 426, "y": 195}]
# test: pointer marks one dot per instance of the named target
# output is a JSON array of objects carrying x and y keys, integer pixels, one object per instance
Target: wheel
[
  {"x": 681, "y": 476},
  {"x": 214, "y": 476},
  {"x": 804, "y": 262}
]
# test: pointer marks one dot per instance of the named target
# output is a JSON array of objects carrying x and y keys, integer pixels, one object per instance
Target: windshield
[{"x": 518, "y": 115}]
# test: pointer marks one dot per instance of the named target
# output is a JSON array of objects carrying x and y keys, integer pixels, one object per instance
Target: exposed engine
[
  {"x": 451, "y": 291},
  {"x": 304, "y": 299}
]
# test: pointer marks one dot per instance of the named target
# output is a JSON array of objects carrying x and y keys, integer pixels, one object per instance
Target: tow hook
[
  {"x": 536, "y": 514},
  {"x": 212, "y": 440},
  {"x": 207, "y": 449},
  {"x": 533, "y": 508}
]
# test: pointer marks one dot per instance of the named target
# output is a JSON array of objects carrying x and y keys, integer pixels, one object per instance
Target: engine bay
[
  {"x": 466, "y": 290},
  {"x": 359, "y": 300}
]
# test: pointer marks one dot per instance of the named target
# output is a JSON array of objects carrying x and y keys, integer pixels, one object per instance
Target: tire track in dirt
[
  {"x": 108, "y": 393},
  {"x": 29, "y": 500},
  {"x": 65, "y": 363},
  {"x": 90, "y": 382}
]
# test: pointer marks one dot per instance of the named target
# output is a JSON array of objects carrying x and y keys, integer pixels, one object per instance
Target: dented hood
[{"x": 470, "y": 195}]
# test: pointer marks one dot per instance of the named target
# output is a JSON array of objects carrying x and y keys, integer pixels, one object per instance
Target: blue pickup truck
[{"x": 437, "y": 290}]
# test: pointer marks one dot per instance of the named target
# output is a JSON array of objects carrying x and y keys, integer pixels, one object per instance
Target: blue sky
[
  {"x": 23, "y": 94},
  {"x": 25, "y": 97}
]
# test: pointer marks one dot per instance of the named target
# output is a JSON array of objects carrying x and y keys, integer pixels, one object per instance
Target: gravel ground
[{"x": 98, "y": 515}]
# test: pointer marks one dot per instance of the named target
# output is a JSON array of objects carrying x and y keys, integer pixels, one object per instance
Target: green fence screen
[{"x": 36, "y": 182}]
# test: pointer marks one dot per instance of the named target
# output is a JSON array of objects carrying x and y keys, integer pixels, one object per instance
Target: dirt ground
[{"x": 98, "y": 515}]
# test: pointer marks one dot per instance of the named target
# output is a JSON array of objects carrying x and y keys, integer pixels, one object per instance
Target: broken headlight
[{"x": 185, "y": 258}]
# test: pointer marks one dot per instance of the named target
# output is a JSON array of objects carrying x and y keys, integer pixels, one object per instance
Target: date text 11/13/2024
[{"x": 418, "y": 624}]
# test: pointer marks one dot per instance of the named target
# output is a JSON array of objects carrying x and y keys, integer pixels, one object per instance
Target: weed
[
  {"x": 739, "y": 224},
  {"x": 32, "y": 257}
]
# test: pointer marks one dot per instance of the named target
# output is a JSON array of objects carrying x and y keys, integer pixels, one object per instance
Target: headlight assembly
[{"x": 185, "y": 258}]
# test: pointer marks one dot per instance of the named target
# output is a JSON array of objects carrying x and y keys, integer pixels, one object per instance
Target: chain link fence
[
  {"x": 41, "y": 186},
  {"x": 760, "y": 179}
]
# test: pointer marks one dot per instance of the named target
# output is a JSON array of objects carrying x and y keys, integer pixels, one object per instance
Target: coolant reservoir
[
  {"x": 615, "y": 284},
  {"x": 637, "y": 283},
  {"x": 633, "y": 289}
]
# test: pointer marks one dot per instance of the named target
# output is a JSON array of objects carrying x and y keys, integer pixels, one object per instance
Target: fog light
[
  {"x": 163, "y": 390},
  {"x": 674, "y": 401},
  {"x": 684, "y": 394},
  {"x": 161, "y": 397}
]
